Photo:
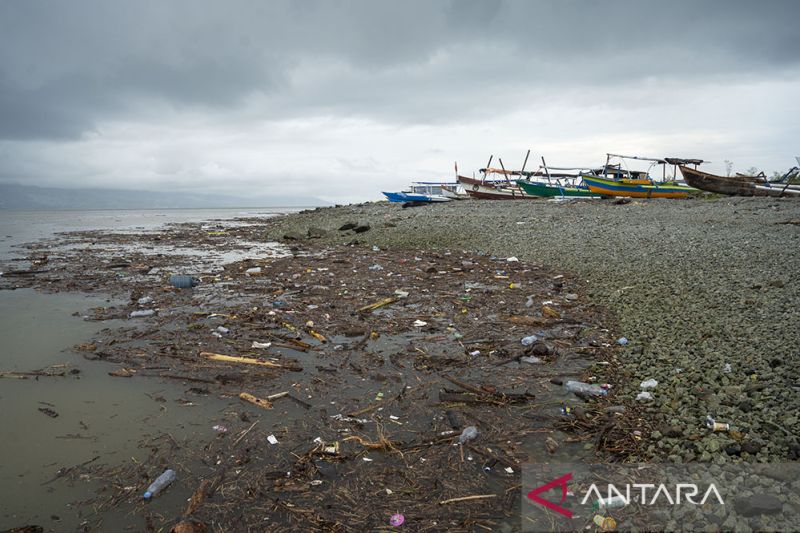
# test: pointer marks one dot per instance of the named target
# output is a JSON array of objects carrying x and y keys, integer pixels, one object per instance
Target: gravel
[{"x": 706, "y": 291}]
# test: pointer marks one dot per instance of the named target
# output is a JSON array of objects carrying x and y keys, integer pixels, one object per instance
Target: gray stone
[
  {"x": 758, "y": 504},
  {"x": 317, "y": 233},
  {"x": 362, "y": 227}
]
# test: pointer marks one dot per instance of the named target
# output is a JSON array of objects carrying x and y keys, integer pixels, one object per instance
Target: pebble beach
[{"x": 705, "y": 290}]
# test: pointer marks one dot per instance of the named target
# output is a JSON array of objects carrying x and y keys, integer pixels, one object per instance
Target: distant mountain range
[{"x": 19, "y": 197}]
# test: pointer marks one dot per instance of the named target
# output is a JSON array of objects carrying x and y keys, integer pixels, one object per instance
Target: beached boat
[
  {"x": 616, "y": 180},
  {"x": 454, "y": 191},
  {"x": 737, "y": 185},
  {"x": 636, "y": 189},
  {"x": 499, "y": 186},
  {"x": 420, "y": 191},
  {"x": 545, "y": 190},
  {"x": 493, "y": 190}
]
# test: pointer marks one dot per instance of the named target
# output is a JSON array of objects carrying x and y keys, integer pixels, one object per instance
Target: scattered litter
[
  {"x": 529, "y": 302},
  {"x": 614, "y": 502},
  {"x": 420, "y": 323},
  {"x": 219, "y": 428},
  {"x": 622, "y": 341},
  {"x": 401, "y": 294},
  {"x": 260, "y": 402},
  {"x": 376, "y": 267},
  {"x": 223, "y": 330},
  {"x": 509, "y": 470},
  {"x": 727, "y": 368},
  {"x": 644, "y": 396},
  {"x": 649, "y": 384},
  {"x": 183, "y": 282},
  {"x": 161, "y": 482},
  {"x": 397, "y": 520},
  {"x": 379, "y": 397},
  {"x": 527, "y": 341},
  {"x": 469, "y": 433},
  {"x": 235, "y": 359},
  {"x": 253, "y": 271},
  {"x": 376, "y": 249},
  {"x": 580, "y": 387},
  {"x": 475, "y": 353},
  {"x": 271, "y": 439},
  {"x": 605, "y": 523},
  {"x": 315, "y": 482},
  {"x": 144, "y": 300},
  {"x": 331, "y": 448},
  {"x": 367, "y": 459},
  {"x": 261, "y": 345},
  {"x": 142, "y": 313},
  {"x": 512, "y": 259},
  {"x": 715, "y": 426},
  {"x": 531, "y": 359},
  {"x": 49, "y": 412}
]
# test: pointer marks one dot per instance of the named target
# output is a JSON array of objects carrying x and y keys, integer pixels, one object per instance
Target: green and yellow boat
[{"x": 545, "y": 190}]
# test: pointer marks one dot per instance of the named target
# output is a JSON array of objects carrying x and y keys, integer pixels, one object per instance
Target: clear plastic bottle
[
  {"x": 613, "y": 502},
  {"x": 585, "y": 388},
  {"x": 468, "y": 434},
  {"x": 160, "y": 483}
]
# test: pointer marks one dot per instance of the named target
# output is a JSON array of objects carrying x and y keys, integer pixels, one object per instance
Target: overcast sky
[{"x": 343, "y": 99}]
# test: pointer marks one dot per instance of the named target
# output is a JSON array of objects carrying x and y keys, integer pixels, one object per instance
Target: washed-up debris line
[{"x": 350, "y": 385}]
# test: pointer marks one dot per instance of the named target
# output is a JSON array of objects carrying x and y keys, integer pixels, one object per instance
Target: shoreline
[{"x": 591, "y": 272}]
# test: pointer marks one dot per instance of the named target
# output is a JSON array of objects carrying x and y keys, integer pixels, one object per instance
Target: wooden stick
[
  {"x": 380, "y": 303},
  {"x": 467, "y": 498},
  {"x": 244, "y": 433},
  {"x": 234, "y": 359},
  {"x": 260, "y": 402}
]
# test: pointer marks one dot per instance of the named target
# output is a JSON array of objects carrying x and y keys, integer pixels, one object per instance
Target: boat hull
[
  {"x": 605, "y": 187},
  {"x": 492, "y": 190},
  {"x": 543, "y": 190},
  {"x": 403, "y": 197},
  {"x": 736, "y": 186}
]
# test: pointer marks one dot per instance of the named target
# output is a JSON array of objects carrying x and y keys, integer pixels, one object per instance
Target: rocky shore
[{"x": 705, "y": 290}]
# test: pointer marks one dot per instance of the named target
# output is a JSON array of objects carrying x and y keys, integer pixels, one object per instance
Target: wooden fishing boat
[
  {"x": 617, "y": 180},
  {"x": 637, "y": 188},
  {"x": 545, "y": 190},
  {"x": 737, "y": 185},
  {"x": 492, "y": 190}
]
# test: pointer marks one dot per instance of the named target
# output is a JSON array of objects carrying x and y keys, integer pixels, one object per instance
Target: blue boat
[{"x": 421, "y": 191}]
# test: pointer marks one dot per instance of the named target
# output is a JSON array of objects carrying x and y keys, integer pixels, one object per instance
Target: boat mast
[
  {"x": 522, "y": 172},
  {"x": 486, "y": 170},
  {"x": 505, "y": 174}
]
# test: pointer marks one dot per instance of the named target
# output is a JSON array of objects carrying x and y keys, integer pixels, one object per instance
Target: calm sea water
[{"x": 99, "y": 416}]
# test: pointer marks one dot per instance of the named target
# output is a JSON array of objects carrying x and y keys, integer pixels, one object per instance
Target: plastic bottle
[
  {"x": 468, "y": 434},
  {"x": 143, "y": 313},
  {"x": 610, "y": 503},
  {"x": 183, "y": 282},
  {"x": 160, "y": 483},
  {"x": 585, "y": 388}
]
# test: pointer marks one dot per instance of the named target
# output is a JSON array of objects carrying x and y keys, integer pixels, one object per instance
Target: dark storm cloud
[{"x": 67, "y": 66}]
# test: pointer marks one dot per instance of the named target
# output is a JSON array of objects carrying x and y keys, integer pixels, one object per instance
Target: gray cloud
[{"x": 73, "y": 73}]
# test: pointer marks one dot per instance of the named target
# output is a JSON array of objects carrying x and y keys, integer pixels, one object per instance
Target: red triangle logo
[{"x": 562, "y": 482}]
